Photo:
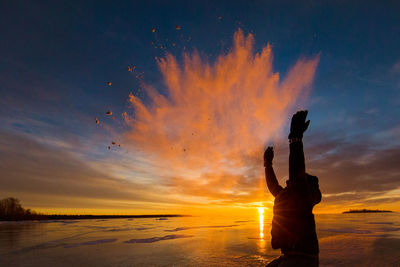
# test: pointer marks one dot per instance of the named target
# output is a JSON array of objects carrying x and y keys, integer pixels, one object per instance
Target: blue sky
[{"x": 57, "y": 57}]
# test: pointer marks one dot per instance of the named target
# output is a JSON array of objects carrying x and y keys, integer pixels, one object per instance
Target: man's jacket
[{"x": 293, "y": 224}]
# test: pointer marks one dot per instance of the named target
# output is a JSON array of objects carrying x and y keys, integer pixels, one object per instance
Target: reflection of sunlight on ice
[{"x": 261, "y": 215}]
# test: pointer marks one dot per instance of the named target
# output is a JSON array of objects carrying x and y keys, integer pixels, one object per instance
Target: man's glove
[
  {"x": 268, "y": 156},
  {"x": 299, "y": 124}
]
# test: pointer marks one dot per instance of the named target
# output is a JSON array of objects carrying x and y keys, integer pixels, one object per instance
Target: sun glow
[{"x": 261, "y": 211}]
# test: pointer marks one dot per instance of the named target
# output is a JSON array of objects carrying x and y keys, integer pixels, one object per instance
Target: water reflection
[
  {"x": 261, "y": 216},
  {"x": 12, "y": 234},
  {"x": 261, "y": 213}
]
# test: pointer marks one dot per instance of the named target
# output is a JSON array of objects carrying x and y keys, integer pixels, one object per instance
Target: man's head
[{"x": 312, "y": 180}]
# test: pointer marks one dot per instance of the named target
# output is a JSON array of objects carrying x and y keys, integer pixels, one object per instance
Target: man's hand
[
  {"x": 268, "y": 156},
  {"x": 299, "y": 124}
]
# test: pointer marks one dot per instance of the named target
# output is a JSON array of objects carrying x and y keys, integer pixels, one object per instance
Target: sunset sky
[{"x": 197, "y": 90}]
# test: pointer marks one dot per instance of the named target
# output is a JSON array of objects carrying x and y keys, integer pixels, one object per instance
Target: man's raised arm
[
  {"x": 297, "y": 167},
  {"x": 272, "y": 182}
]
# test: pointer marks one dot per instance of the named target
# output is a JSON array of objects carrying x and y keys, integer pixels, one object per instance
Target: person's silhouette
[{"x": 293, "y": 225}]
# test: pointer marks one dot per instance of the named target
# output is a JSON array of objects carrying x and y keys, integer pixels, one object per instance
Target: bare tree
[{"x": 11, "y": 208}]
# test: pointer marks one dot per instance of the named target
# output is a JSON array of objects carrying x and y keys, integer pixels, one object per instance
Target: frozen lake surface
[{"x": 345, "y": 240}]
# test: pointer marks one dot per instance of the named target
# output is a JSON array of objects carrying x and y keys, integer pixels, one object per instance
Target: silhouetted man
[{"x": 293, "y": 225}]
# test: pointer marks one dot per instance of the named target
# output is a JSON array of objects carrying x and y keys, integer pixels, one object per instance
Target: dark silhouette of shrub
[{"x": 11, "y": 209}]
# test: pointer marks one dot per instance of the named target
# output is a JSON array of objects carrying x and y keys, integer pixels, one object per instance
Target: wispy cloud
[{"x": 29, "y": 167}]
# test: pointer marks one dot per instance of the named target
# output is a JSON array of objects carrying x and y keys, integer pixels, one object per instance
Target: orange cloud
[{"x": 214, "y": 116}]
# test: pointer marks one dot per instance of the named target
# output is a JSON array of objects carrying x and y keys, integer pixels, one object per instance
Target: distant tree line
[
  {"x": 11, "y": 209},
  {"x": 366, "y": 211}
]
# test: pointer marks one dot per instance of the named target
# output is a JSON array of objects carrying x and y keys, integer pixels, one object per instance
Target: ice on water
[{"x": 345, "y": 239}]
